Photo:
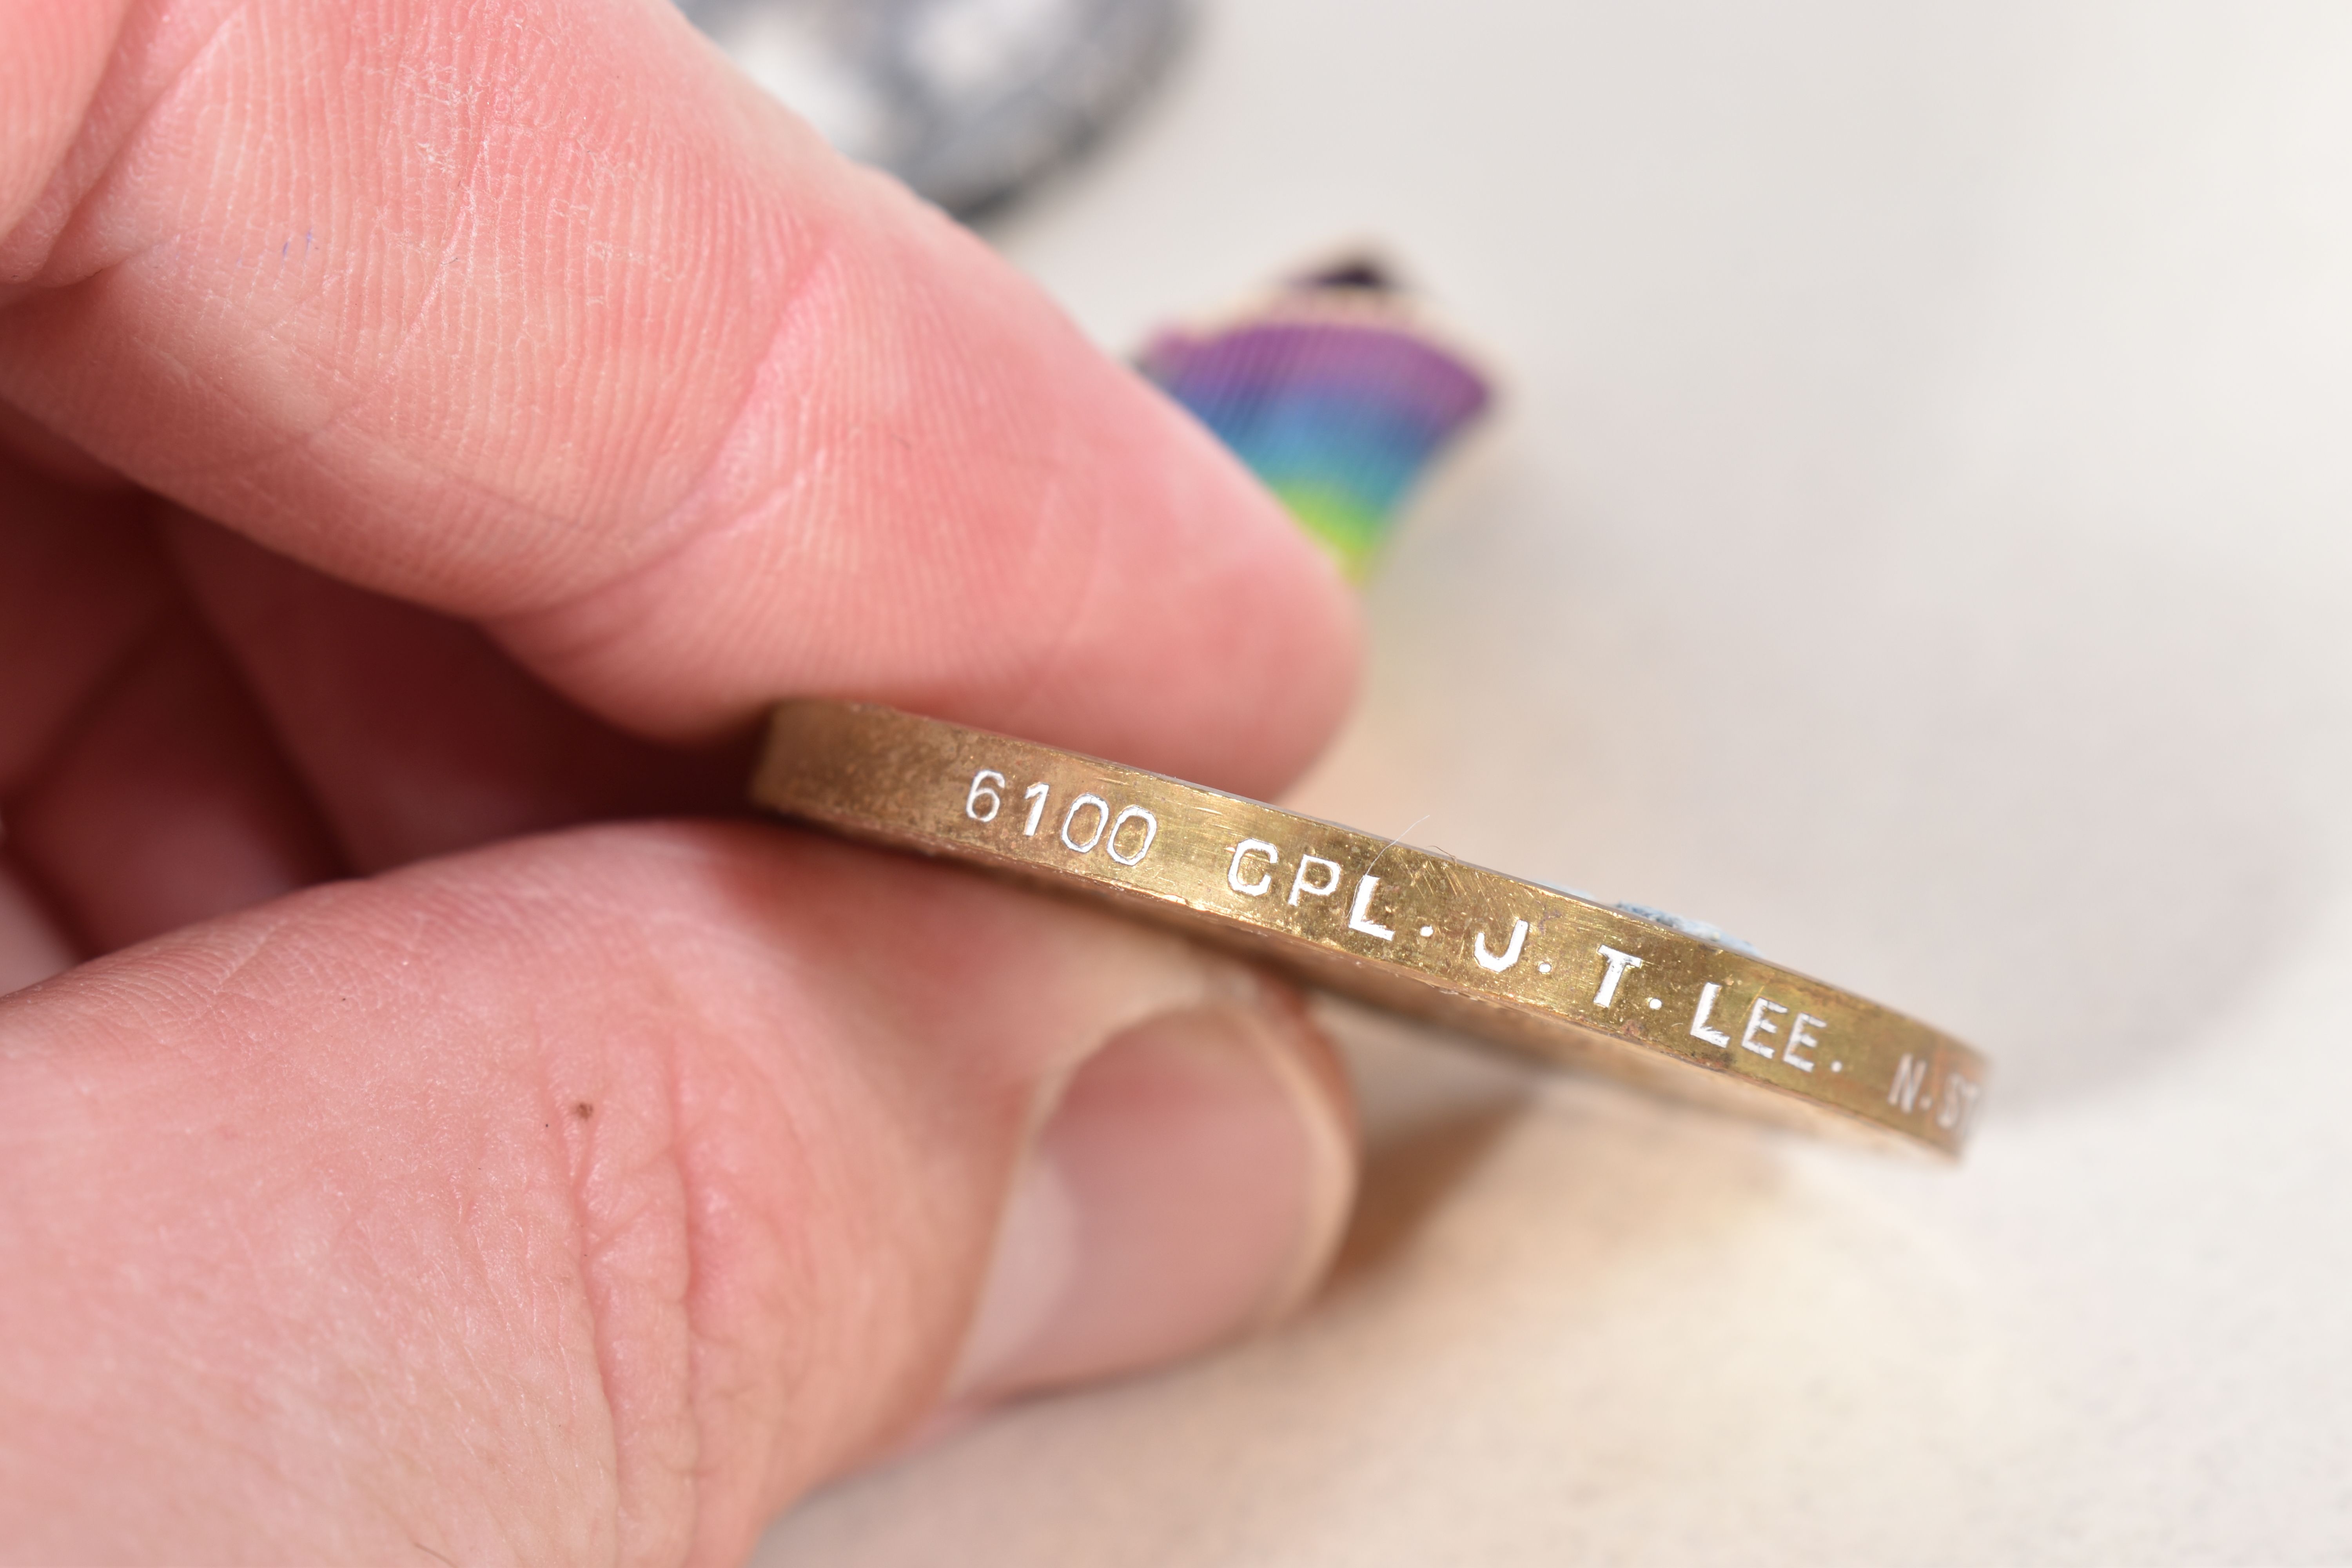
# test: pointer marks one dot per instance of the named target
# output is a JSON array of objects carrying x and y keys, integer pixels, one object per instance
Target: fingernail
[{"x": 1188, "y": 1188}]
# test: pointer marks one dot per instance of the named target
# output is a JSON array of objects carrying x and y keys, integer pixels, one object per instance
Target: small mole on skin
[{"x": 583, "y": 1111}]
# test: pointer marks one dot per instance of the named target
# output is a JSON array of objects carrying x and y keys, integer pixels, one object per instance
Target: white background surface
[{"x": 1918, "y": 540}]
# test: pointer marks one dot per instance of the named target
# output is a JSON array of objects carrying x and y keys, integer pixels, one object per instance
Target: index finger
[{"x": 535, "y": 312}]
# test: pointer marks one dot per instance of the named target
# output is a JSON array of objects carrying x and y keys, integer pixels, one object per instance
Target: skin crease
[
  {"x": 581, "y": 1298},
  {"x": 429, "y": 434}
]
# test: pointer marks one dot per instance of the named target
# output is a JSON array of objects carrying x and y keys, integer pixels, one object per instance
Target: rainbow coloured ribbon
[{"x": 1333, "y": 394}]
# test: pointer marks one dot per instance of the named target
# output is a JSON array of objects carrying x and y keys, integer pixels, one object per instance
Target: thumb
[{"x": 590, "y": 1196}]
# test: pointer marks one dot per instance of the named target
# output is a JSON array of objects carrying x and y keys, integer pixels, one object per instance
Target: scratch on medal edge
[{"x": 1394, "y": 842}]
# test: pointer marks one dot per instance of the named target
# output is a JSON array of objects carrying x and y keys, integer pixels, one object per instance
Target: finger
[
  {"x": 586, "y": 1197},
  {"x": 42, "y": 451},
  {"x": 33, "y": 945},
  {"x": 81, "y": 588},
  {"x": 141, "y": 787},
  {"x": 413, "y": 734},
  {"x": 54, "y": 57},
  {"x": 536, "y": 313},
  {"x": 167, "y": 802}
]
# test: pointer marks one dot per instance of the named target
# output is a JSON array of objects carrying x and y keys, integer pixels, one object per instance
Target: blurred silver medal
[{"x": 966, "y": 100}]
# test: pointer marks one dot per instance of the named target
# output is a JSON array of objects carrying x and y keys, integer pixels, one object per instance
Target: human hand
[{"x": 425, "y": 428}]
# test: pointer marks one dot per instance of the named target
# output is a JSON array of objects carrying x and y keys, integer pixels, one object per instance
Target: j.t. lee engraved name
[
  {"x": 1301, "y": 878},
  {"x": 1256, "y": 868},
  {"x": 1126, "y": 834}
]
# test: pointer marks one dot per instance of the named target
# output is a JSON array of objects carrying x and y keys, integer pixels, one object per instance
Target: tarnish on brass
[{"x": 1540, "y": 972}]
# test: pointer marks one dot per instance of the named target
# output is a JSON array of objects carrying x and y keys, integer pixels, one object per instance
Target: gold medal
[{"x": 1527, "y": 967}]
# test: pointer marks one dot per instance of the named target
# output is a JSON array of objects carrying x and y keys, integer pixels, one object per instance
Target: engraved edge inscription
[{"x": 1463, "y": 930}]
